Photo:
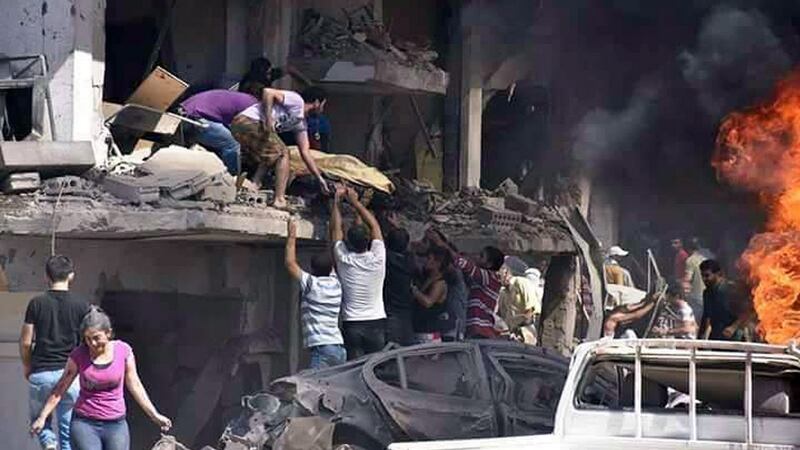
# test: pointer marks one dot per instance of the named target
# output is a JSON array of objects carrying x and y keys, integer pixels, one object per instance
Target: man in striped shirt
[
  {"x": 484, "y": 286},
  {"x": 320, "y": 300}
]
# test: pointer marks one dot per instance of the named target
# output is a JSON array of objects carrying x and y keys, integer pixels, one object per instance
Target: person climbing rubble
[
  {"x": 258, "y": 133},
  {"x": 484, "y": 285},
  {"x": 216, "y": 108},
  {"x": 321, "y": 299}
]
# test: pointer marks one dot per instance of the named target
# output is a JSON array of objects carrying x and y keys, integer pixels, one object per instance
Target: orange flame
[{"x": 759, "y": 149}]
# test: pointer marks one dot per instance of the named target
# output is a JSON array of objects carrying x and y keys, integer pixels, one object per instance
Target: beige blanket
[{"x": 345, "y": 167}]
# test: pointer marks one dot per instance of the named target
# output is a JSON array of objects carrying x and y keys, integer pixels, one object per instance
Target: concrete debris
[
  {"x": 361, "y": 35},
  {"x": 507, "y": 187},
  {"x": 498, "y": 219},
  {"x": 475, "y": 217},
  {"x": 259, "y": 198},
  {"x": 21, "y": 182},
  {"x": 222, "y": 190},
  {"x": 494, "y": 202},
  {"x": 133, "y": 189},
  {"x": 519, "y": 203},
  {"x": 70, "y": 185},
  {"x": 46, "y": 157},
  {"x": 181, "y": 184}
]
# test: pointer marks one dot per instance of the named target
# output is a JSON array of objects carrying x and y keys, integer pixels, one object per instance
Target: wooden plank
[{"x": 159, "y": 90}]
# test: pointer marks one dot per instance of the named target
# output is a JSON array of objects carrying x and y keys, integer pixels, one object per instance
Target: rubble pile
[
  {"x": 502, "y": 212},
  {"x": 362, "y": 34}
]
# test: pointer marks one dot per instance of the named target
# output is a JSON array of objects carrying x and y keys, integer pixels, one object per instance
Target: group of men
[
  {"x": 701, "y": 302},
  {"x": 373, "y": 286}
]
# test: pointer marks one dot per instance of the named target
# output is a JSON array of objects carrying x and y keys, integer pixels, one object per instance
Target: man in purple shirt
[{"x": 215, "y": 109}]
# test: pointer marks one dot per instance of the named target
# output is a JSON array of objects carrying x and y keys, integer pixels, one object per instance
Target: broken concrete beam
[
  {"x": 494, "y": 202},
  {"x": 221, "y": 191},
  {"x": 21, "y": 182},
  {"x": 522, "y": 204},
  {"x": 497, "y": 218},
  {"x": 47, "y": 158},
  {"x": 180, "y": 184},
  {"x": 133, "y": 189},
  {"x": 507, "y": 187}
]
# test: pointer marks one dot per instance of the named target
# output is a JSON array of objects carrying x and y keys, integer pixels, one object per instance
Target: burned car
[{"x": 431, "y": 391}]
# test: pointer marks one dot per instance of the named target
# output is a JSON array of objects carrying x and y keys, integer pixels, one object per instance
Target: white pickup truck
[{"x": 668, "y": 394}]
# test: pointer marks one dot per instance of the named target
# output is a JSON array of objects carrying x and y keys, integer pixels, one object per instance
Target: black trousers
[
  {"x": 400, "y": 328},
  {"x": 363, "y": 337}
]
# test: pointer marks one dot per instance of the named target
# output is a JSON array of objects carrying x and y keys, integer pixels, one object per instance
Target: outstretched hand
[
  {"x": 324, "y": 187},
  {"x": 291, "y": 228}
]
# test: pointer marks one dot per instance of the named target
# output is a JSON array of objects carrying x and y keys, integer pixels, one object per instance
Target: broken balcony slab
[
  {"x": 82, "y": 218},
  {"x": 511, "y": 242},
  {"x": 46, "y": 157},
  {"x": 22, "y": 182},
  {"x": 372, "y": 76}
]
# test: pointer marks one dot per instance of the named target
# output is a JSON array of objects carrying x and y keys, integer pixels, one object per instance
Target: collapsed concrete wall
[{"x": 208, "y": 323}]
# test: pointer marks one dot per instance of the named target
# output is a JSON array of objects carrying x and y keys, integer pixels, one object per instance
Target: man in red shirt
[
  {"x": 484, "y": 286},
  {"x": 680, "y": 260}
]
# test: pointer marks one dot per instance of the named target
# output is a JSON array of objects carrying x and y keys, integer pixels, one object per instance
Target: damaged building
[{"x": 189, "y": 268}]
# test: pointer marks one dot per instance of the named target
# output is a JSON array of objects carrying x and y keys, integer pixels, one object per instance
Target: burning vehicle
[{"x": 431, "y": 391}]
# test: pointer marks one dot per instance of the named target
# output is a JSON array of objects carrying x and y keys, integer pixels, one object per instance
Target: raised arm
[
  {"x": 25, "y": 347},
  {"x": 136, "y": 388},
  {"x": 291, "y": 253},
  {"x": 63, "y": 384},
  {"x": 336, "y": 218},
  {"x": 365, "y": 215}
]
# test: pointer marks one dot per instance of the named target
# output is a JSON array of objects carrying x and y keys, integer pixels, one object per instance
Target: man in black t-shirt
[
  {"x": 718, "y": 322},
  {"x": 397, "y": 299},
  {"x": 53, "y": 320}
]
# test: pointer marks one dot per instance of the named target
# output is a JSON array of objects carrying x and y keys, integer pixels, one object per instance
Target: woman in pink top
[{"x": 104, "y": 366}]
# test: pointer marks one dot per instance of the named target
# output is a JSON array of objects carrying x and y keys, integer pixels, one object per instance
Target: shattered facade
[{"x": 193, "y": 264}]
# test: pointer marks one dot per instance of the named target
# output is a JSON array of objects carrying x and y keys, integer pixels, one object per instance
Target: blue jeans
[
  {"x": 88, "y": 434},
  {"x": 218, "y": 138},
  {"x": 40, "y": 385},
  {"x": 327, "y": 356}
]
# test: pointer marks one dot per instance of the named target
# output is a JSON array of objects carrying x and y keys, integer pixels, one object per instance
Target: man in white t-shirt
[
  {"x": 258, "y": 132},
  {"x": 320, "y": 301},
  {"x": 361, "y": 265}
]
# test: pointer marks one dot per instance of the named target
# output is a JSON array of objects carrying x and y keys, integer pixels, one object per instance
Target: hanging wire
[{"x": 53, "y": 223}]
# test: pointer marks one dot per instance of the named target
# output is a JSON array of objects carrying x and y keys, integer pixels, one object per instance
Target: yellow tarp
[{"x": 345, "y": 167}]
